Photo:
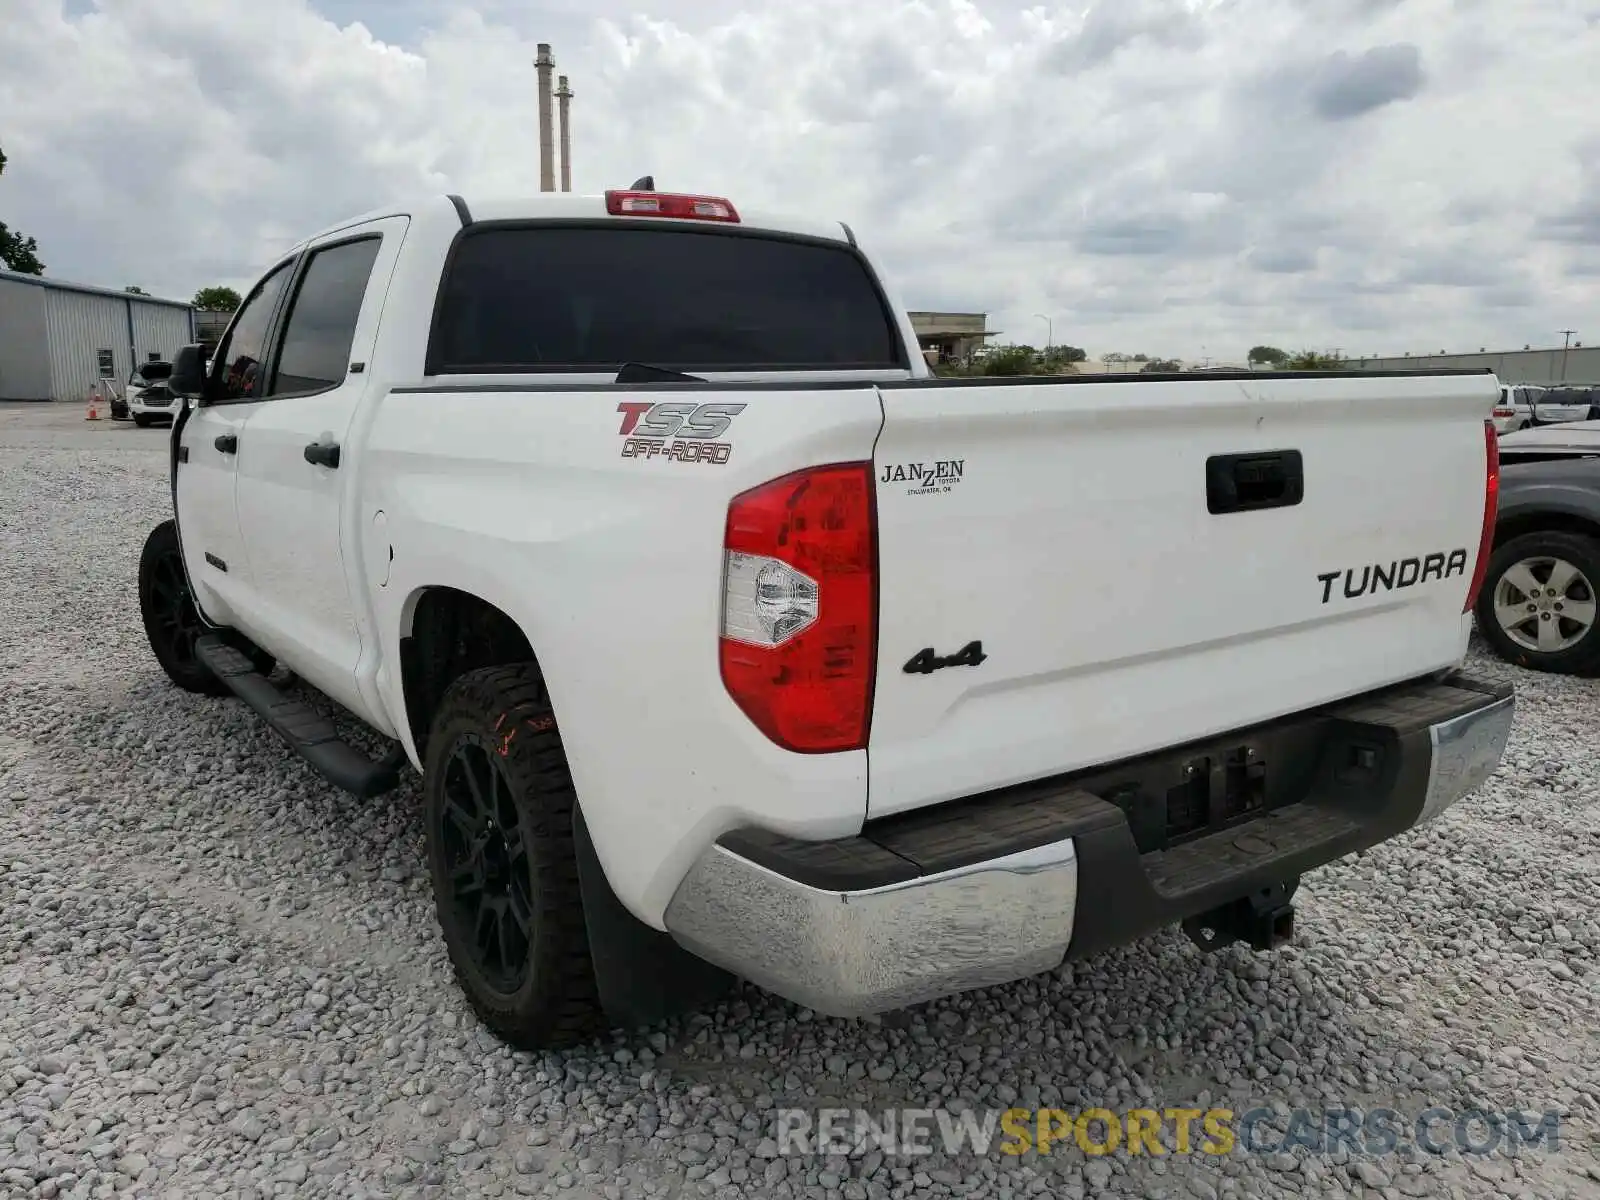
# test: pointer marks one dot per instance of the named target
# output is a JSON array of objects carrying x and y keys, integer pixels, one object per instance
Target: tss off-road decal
[{"x": 677, "y": 431}]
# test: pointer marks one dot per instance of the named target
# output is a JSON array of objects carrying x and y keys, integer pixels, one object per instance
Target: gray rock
[{"x": 1370, "y": 1174}]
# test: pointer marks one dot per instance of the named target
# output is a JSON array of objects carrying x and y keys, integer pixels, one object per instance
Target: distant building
[
  {"x": 1129, "y": 366},
  {"x": 952, "y": 337},
  {"x": 1577, "y": 364},
  {"x": 210, "y": 326},
  {"x": 58, "y": 341},
  {"x": 1099, "y": 366}
]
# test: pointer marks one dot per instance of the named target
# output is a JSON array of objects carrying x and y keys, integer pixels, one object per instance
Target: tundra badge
[{"x": 1402, "y": 573}]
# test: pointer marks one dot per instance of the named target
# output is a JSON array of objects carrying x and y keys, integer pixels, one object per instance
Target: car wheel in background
[{"x": 1538, "y": 606}]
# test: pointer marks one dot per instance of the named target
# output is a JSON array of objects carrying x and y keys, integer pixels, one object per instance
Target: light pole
[
  {"x": 1049, "y": 332},
  {"x": 1566, "y": 339}
]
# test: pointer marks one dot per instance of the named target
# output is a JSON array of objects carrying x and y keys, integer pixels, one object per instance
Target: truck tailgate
[{"x": 1069, "y": 527}]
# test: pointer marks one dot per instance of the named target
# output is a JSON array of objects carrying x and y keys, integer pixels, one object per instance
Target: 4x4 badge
[{"x": 926, "y": 662}]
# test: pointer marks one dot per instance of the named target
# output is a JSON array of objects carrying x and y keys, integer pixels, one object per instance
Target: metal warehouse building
[
  {"x": 1556, "y": 365},
  {"x": 59, "y": 340}
]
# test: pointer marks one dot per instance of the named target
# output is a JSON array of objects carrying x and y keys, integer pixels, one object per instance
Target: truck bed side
[{"x": 611, "y": 564}]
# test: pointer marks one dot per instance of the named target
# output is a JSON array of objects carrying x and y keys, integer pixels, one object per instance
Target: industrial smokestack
[
  {"x": 564, "y": 95},
  {"x": 547, "y": 173}
]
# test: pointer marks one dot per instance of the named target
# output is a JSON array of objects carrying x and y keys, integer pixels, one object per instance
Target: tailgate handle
[{"x": 1246, "y": 482}]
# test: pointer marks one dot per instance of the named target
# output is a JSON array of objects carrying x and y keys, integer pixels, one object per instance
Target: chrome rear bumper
[
  {"x": 901, "y": 934},
  {"x": 846, "y": 953}
]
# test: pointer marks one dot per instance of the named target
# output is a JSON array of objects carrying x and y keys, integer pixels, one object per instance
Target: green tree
[
  {"x": 17, "y": 253},
  {"x": 135, "y": 291},
  {"x": 1066, "y": 354},
  {"x": 1313, "y": 360},
  {"x": 1270, "y": 355},
  {"x": 1161, "y": 366},
  {"x": 216, "y": 299},
  {"x": 1010, "y": 360}
]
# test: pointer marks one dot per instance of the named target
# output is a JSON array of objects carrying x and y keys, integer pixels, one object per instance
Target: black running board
[{"x": 307, "y": 731}]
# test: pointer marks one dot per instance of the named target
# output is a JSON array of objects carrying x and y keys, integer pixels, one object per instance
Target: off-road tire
[
  {"x": 1578, "y": 549},
  {"x": 508, "y": 707},
  {"x": 160, "y": 564}
]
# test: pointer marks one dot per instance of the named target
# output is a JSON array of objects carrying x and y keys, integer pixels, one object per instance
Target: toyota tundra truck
[{"x": 730, "y": 643}]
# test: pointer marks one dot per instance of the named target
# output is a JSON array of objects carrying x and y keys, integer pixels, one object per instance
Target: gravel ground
[{"x": 219, "y": 976}]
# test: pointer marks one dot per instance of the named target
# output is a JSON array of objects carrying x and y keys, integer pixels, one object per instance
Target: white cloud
[{"x": 1158, "y": 175}]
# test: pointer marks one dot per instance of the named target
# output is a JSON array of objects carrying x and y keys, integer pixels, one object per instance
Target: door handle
[
  {"x": 228, "y": 443},
  {"x": 323, "y": 454},
  {"x": 1248, "y": 482}
]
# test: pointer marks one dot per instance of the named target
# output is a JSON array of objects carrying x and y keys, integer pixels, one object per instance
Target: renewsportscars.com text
[{"x": 1373, "y": 1132}]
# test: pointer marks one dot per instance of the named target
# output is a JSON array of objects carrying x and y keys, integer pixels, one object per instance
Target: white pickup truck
[{"x": 729, "y": 642}]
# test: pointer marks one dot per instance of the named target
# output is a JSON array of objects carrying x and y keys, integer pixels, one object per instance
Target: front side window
[
  {"x": 315, "y": 352},
  {"x": 240, "y": 354}
]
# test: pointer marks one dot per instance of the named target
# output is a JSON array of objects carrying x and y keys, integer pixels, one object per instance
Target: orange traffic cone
[{"x": 94, "y": 410}]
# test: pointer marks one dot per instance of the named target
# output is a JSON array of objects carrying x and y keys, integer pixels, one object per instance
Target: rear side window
[
  {"x": 315, "y": 351},
  {"x": 564, "y": 298}
]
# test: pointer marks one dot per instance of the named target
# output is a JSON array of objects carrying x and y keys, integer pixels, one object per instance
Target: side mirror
[{"x": 188, "y": 378}]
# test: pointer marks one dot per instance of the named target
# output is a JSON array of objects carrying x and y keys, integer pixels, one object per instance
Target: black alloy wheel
[
  {"x": 499, "y": 816},
  {"x": 488, "y": 875},
  {"x": 174, "y": 610},
  {"x": 172, "y": 623}
]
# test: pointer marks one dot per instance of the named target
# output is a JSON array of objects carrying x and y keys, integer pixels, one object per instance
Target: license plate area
[
  {"x": 1201, "y": 793},
  {"x": 1216, "y": 792}
]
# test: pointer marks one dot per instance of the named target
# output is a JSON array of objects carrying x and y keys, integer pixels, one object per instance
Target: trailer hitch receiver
[{"x": 1264, "y": 920}]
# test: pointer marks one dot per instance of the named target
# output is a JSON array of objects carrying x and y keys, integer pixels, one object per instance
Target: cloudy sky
[{"x": 1184, "y": 177}]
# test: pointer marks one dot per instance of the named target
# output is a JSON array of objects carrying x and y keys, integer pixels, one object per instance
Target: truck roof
[{"x": 556, "y": 206}]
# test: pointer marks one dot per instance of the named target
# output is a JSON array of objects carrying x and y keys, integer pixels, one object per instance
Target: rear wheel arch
[
  {"x": 446, "y": 633},
  {"x": 1548, "y": 521},
  {"x": 454, "y": 642}
]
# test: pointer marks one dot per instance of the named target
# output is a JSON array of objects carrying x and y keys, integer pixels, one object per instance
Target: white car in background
[
  {"x": 147, "y": 396},
  {"x": 1515, "y": 409},
  {"x": 1559, "y": 405}
]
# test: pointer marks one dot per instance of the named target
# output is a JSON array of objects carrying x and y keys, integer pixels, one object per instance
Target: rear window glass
[{"x": 591, "y": 299}]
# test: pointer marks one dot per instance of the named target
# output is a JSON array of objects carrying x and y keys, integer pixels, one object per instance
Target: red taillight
[
  {"x": 799, "y": 632},
  {"x": 669, "y": 204},
  {"x": 1491, "y": 508},
  {"x": 1505, "y": 412}
]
